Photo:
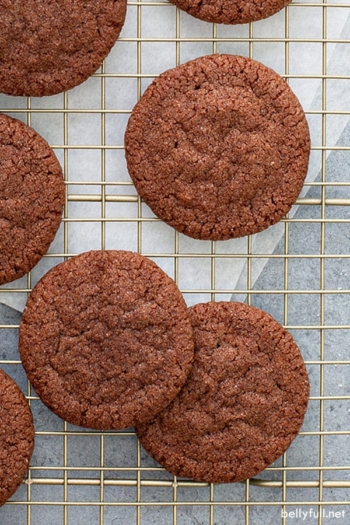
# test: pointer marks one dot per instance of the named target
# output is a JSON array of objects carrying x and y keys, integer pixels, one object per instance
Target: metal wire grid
[{"x": 116, "y": 483}]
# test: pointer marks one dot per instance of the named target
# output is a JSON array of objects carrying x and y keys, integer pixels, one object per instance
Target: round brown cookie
[
  {"x": 31, "y": 198},
  {"x": 218, "y": 147},
  {"x": 105, "y": 339},
  {"x": 16, "y": 437},
  {"x": 243, "y": 403},
  {"x": 231, "y": 11},
  {"x": 47, "y": 47}
]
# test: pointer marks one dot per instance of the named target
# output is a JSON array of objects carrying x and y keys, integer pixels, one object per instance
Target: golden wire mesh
[{"x": 80, "y": 476}]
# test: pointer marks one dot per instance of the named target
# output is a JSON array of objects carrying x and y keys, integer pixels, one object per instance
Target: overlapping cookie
[
  {"x": 243, "y": 403},
  {"x": 105, "y": 339}
]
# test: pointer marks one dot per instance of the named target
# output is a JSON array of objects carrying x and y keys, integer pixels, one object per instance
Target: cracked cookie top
[
  {"x": 47, "y": 47},
  {"x": 16, "y": 437},
  {"x": 231, "y": 11},
  {"x": 243, "y": 403},
  {"x": 105, "y": 339},
  {"x": 218, "y": 147},
  {"x": 32, "y": 195}
]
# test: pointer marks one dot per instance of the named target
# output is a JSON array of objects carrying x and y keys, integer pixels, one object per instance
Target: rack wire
[{"x": 105, "y": 478}]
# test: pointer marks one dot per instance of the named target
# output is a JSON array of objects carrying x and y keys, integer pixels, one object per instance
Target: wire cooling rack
[{"x": 297, "y": 270}]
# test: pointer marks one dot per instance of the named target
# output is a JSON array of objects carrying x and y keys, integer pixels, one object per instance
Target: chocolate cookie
[
  {"x": 231, "y": 11},
  {"x": 218, "y": 147},
  {"x": 31, "y": 198},
  {"x": 16, "y": 437},
  {"x": 243, "y": 403},
  {"x": 47, "y": 47},
  {"x": 105, "y": 339}
]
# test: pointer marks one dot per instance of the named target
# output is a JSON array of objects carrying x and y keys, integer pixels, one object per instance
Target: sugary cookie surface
[
  {"x": 50, "y": 46},
  {"x": 105, "y": 339},
  {"x": 32, "y": 196},
  {"x": 243, "y": 403},
  {"x": 16, "y": 437},
  {"x": 218, "y": 147}
]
